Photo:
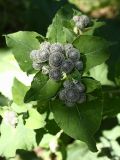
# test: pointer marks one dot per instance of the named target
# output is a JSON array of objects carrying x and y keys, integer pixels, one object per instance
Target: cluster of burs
[
  {"x": 82, "y": 21},
  {"x": 58, "y": 61}
]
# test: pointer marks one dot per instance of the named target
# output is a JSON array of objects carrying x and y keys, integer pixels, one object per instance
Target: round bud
[
  {"x": 45, "y": 69},
  {"x": 56, "y": 59},
  {"x": 68, "y": 84},
  {"x": 73, "y": 54},
  {"x": 43, "y": 55},
  {"x": 68, "y": 47},
  {"x": 62, "y": 95},
  {"x": 76, "y": 18},
  {"x": 72, "y": 95},
  {"x": 80, "y": 25},
  {"x": 82, "y": 98},
  {"x": 55, "y": 74},
  {"x": 34, "y": 55},
  {"x": 85, "y": 20},
  {"x": 79, "y": 65},
  {"x": 56, "y": 47},
  {"x": 45, "y": 45},
  {"x": 67, "y": 66},
  {"x": 37, "y": 66},
  {"x": 80, "y": 87}
]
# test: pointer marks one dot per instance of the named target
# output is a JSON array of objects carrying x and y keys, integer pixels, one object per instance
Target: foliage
[{"x": 45, "y": 126}]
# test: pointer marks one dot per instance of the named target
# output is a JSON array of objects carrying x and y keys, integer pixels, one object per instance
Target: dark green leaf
[
  {"x": 94, "y": 50},
  {"x": 90, "y": 84},
  {"x": 111, "y": 101},
  {"x": 38, "y": 82},
  {"x": 81, "y": 121},
  {"x": 61, "y": 29},
  {"x": 52, "y": 127},
  {"x": 22, "y": 43},
  {"x": 3, "y": 100},
  {"x": 91, "y": 30},
  {"x": 42, "y": 88},
  {"x": 25, "y": 155}
]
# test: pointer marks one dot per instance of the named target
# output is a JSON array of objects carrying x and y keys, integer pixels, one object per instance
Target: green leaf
[
  {"x": 38, "y": 82},
  {"x": 52, "y": 127},
  {"x": 100, "y": 73},
  {"x": 81, "y": 121},
  {"x": 3, "y": 100},
  {"x": 22, "y": 43},
  {"x": 86, "y": 117},
  {"x": 111, "y": 101},
  {"x": 79, "y": 151},
  {"x": 61, "y": 29},
  {"x": 91, "y": 84},
  {"x": 42, "y": 88},
  {"x": 94, "y": 50},
  {"x": 96, "y": 25},
  {"x": 35, "y": 120},
  {"x": 18, "y": 92},
  {"x": 25, "y": 155},
  {"x": 19, "y": 138},
  {"x": 49, "y": 90}
]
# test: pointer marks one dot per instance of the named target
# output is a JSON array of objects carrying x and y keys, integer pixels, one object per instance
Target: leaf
[
  {"x": 52, "y": 127},
  {"x": 35, "y": 120},
  {"x": 79, "y": 151},
  {"x": 3, "y": 100},
  {"x": 111, "y": 101},
  {"x": 86, "y": 117},
  {"x": 22, "y": 43},
  {"x": 19, "y": 138},
  {"x": 25, "y": 155},
  {"x": 100, "y": 73},
  {"x": 38, "y": 82},
  {"x": 91, "y": 84},
  {"x": 96, "y": 25},
  {"x": 61, "y": 29},
  {"x": 42, "y": 88},
  {"x": 18, "y": 91},
  {"x": 81, "y": 121},
  {"x": 94, "y": 50},
  {"x": 49, "y": 90}
]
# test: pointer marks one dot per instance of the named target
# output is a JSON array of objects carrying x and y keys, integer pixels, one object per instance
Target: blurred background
[{"x": 36, "y": 15}]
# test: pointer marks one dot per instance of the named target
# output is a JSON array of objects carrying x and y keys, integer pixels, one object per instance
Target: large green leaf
[
  {"x": 94, "y": 50},
  {"x": 42, "y": 88},
  {"x": 16, "y": 138},
  {"x": 80, "y": 121},
  {"x": 61, "y": 29},
  {"x": 83, "y": 120},
  {"x": 22, "y": 43}
]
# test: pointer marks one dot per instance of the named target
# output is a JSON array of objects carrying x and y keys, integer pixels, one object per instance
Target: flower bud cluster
[
  {"x": 82, "y": 21},
  {"x": 56, "y": 59},
  {"x": 72, "y": 93}
]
